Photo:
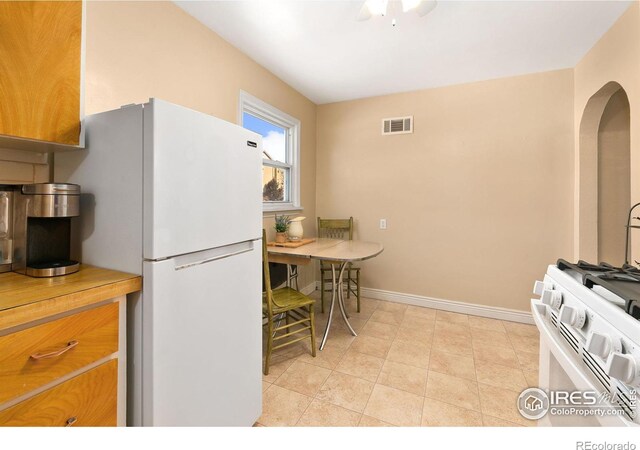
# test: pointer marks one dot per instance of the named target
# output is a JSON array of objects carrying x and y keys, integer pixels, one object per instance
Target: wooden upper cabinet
[{"x": 40, "y": 70}]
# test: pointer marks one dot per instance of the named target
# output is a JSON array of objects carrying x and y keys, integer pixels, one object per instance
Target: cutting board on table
[{"x": 291, "y": 244}]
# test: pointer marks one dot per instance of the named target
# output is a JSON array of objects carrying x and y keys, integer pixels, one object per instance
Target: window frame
[{"x": 262, "y": 110}]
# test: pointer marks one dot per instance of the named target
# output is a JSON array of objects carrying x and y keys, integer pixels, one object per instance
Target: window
[{"x": 280, "y": 152}]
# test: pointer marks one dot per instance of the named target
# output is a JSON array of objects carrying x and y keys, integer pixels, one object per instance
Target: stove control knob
[
  {"x": 551, "y": 298},
  {"x": 540, "y": 286},
  {"x": 623, "y": 367},
  {"x": 602, "y": 345},
  {"x": 571, "y": 316}
]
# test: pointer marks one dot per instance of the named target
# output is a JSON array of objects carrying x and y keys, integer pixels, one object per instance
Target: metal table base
[{"x": 337, "y": 291}]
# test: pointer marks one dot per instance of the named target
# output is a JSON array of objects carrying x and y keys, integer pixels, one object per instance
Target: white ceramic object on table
[{"x": 295, "y": 231}]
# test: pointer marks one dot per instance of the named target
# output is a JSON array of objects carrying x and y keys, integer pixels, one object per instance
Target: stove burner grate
[{"x": 622, "y": 281}]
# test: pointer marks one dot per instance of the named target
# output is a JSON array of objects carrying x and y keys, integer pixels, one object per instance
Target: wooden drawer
[
  {"x": 89, "y": 400},
  {"x": 96, "y": 334}
]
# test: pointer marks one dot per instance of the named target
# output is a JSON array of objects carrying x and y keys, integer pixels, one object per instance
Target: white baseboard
[
  {"x": 491, "y": 312},
  {"x": 308, "y": 289}
]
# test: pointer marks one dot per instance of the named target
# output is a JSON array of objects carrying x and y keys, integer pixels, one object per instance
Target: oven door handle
[
  {"x": 551, "y": 336},
  {"x": 539, "y": 312},
  {"x": 556, "y": 345}
]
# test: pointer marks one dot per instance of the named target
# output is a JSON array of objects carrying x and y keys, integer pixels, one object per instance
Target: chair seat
[{"x": 286, "y": 299}]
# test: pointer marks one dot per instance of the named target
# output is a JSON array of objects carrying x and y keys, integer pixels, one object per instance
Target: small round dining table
[{"x": 338, "y": 253}]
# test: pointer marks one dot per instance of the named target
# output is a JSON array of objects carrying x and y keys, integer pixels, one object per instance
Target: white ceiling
[{"x": 320, "y": 49}]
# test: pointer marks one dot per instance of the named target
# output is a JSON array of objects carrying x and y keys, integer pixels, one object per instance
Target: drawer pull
[
  {"x": 55, "y": 353},
  {"x": 71, "y": 421}
]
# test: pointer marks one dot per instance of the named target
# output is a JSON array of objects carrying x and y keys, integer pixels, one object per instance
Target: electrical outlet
[{"x": 383, "y": 224}]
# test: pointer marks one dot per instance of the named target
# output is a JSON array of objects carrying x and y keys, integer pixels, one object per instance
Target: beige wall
[
  {"x": 614, "y": 61},
  {"x": 614, "y": 184},
  {"x": 478, "y": 199}
]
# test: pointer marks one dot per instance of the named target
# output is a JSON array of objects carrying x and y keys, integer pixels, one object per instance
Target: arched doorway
[{"x": 604, "y": 182}]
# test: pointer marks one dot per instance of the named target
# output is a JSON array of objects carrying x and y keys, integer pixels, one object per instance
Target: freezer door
[
  {"x": 202, "y": 181},
  {"x": 202, "y": 333}
]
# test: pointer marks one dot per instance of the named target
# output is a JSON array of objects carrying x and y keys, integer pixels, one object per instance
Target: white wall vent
[{"x": 397, "y": 125}]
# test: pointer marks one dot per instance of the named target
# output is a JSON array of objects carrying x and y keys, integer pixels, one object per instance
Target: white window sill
[{"x": 280, "y": 207}]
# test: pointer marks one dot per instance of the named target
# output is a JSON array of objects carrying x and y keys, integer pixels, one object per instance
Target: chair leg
[
  {"x": 267, "y": 357},
  {"x": 358, "y": 289},
  {"x": 313, "y": 331},
  {"x": 349, "y": 283},
  {"x": 286, "y": 319}
]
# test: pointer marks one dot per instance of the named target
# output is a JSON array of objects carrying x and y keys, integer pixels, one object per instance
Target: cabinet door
[{"x": 40, "y": 54}]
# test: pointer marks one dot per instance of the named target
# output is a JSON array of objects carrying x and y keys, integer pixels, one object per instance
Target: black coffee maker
[{"x": 42, "y": 229}]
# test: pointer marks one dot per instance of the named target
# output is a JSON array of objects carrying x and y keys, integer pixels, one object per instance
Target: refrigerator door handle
[{"x": 215, "y": 258}]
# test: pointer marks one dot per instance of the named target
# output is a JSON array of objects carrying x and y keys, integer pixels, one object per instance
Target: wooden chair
[
  {"x": 288, "y": 304},
  {"x": 338, "y": 229}
]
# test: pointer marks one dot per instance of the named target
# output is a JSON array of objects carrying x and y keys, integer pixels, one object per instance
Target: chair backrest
[
  {"x": 266, "y": 275},
  {"x": 335, "y": 228}
]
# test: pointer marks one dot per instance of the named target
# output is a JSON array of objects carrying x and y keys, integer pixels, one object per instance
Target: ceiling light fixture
[
  {"x": 377, "y": 7},
  {"x": 372, "y": 8}
]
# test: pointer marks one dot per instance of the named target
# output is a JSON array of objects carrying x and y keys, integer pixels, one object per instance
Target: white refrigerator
[{"x": 175, "y": 195}]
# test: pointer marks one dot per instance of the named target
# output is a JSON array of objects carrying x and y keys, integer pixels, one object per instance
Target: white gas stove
[{"x": 588, "y": 317}]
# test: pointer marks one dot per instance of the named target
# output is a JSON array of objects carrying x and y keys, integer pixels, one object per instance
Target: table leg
[
  {"x": 292, "y": 275},
  {"x": 280, "y": 317},
  {"x": 333, "y": 300},
  {"x": 341, "y": 299},
  {"x": 341, "y": 283},
  {"x": 288, "y": 275}
]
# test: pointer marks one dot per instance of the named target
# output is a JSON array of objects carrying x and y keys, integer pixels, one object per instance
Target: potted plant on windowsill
[{"x": 281, "y": 226}]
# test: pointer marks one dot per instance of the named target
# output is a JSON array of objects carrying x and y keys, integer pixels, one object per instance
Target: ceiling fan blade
[
  {"x": 364, "y": 13},
  {"x": 425, "y": 7}
]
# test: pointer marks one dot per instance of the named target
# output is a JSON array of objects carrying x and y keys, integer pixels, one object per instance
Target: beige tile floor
[{"x": 408, "y": 366}]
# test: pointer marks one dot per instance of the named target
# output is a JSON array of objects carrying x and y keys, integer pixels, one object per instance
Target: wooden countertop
[{"x": 24, "y": 299}]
